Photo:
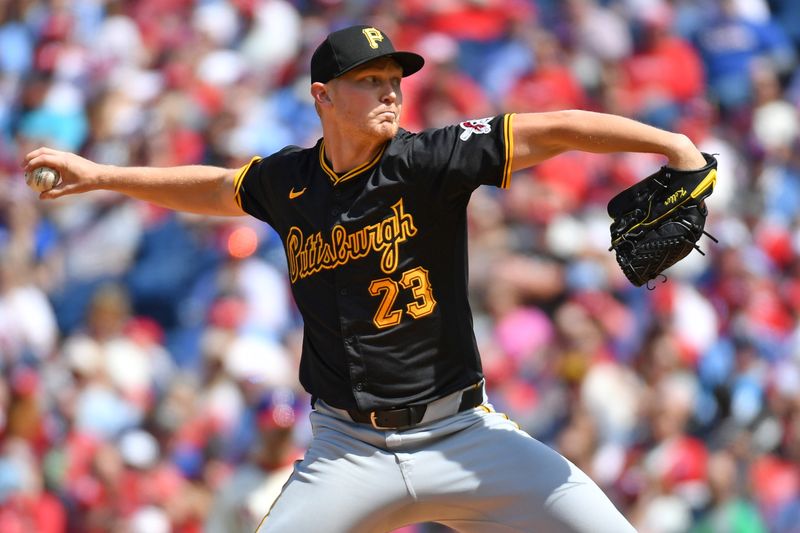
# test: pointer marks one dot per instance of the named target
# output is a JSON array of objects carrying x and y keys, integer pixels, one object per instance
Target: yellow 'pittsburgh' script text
[{"x": 309, "y": 255}]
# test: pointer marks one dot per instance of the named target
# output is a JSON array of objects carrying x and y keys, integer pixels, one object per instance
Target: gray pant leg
[
  {"x": 492, "y": 477},
  {"x": 345, "y": 483}
]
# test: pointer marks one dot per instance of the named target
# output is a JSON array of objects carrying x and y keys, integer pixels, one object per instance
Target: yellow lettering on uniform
[
  {"x": 294, "y": 245},
  {"x": 328, "y": 259},
  {"x": 308, "y": 255},
  {"x": 359, "y": 244},
  {"x": 373, "y": 36}
]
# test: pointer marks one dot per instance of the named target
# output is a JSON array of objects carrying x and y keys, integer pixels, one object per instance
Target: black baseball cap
[{"x": 351, "y": 47}]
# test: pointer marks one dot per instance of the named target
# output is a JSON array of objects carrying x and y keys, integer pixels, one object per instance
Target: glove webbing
[{"x": 655, "y": 245}]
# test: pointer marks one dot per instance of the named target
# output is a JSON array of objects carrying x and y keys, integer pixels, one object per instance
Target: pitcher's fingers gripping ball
[
  {"x": 659, "y": 220},
  {"x": 42, "y": 179}
]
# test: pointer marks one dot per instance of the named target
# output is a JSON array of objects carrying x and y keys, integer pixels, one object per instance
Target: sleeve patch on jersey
[
  {"x": 479, "y": 126},
  {"x": 508, "y": 141},
  {"x": 239, "y": 178}
]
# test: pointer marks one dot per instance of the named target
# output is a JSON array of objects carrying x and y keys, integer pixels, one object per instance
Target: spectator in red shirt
[
  {"x": 664, "y": 73},
  {"x": 551, "y": 85}
]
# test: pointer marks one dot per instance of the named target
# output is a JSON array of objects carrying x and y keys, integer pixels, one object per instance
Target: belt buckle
[{"x": 374, "y": 422}]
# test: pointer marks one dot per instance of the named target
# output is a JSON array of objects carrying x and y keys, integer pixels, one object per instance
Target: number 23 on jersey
[{"x": 416, "y": 280}]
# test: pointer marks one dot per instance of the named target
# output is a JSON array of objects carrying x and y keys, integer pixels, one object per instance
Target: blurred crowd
[{"x": 149, "y": 358}]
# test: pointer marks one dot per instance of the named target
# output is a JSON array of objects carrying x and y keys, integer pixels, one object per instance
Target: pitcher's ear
[{"x": 320, "y": 93}]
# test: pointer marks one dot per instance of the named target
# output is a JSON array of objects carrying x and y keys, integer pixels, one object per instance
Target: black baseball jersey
[{"x": 377, "y": 259}]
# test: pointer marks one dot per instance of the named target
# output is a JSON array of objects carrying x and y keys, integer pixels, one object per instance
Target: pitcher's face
[{"x": 367, "y": 100}]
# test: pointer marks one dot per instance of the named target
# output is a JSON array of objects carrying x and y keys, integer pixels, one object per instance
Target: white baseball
[{"x": 42, "y": 179}]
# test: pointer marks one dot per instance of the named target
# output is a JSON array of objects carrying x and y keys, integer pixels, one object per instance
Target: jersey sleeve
[
  {"x": 251, "y": 188},
  {"x": 254, "y": 184},
  {"x": 467, "y": 155}
]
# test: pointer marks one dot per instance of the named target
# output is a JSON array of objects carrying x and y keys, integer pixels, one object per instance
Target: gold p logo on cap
[{"x": 373, "y": 35}]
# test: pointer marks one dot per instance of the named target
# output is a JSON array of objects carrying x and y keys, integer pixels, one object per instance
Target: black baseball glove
[{"x": 659, "y": 220}]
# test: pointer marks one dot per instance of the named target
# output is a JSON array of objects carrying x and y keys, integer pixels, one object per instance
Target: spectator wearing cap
[{"x": 240, "y": 501}]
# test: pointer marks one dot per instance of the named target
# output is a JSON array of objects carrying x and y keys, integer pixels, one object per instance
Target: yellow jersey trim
[
  {"x": 335, "y": 178},
  {"x": 508, "y": 141},
  {"x": 239, "y": 178}
]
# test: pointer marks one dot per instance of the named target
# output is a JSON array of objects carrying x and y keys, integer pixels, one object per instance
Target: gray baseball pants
[{"x": 474, "y": 471}]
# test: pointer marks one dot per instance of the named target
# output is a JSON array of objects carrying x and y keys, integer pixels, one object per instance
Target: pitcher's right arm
[{"x": 196, "y": 188}]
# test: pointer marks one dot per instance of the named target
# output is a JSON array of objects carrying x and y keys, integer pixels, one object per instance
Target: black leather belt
[{"x": 411, "y": 415}]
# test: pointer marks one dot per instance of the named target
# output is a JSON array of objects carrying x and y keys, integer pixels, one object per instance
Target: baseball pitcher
[{"x": 373, "y": 222}]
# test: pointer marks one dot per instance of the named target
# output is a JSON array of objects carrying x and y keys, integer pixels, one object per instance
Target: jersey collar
[{"x": 336, "y": 178}]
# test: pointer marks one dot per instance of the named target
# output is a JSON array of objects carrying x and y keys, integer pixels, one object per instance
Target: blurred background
[{"x": 149, "y": 358}]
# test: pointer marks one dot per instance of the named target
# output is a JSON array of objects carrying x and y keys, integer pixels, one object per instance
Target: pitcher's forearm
[
  {"x": 196, "y": 188},
  {"x": 539, "y": 136}
]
